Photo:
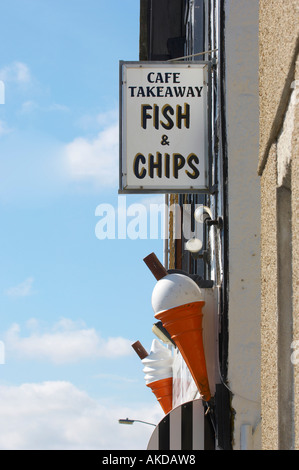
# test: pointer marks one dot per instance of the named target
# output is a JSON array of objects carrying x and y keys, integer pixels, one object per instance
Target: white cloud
[
  {"x": 107, "y": 116},
  {"x": 28, "y": 107},
  {"x": 95, "y": 159},
  {"x": 92, "y": 122},
  {"x": 4, "y": 129},
  {"x": 21, "y": 290},
  {"x": 31, "y": 106},
  {"x": 58, "y": 416},
  {"x": 17, "y": 72},
  {"x": 58, "y": 107},
  {"x": 116, "y": 378},
  {"x": 82, "y": 164},
  {"x": 65, "y": 342}
]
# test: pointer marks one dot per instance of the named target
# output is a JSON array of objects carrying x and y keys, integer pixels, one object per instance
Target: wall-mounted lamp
[
  {"x": 194, "y": 245},
  {"x": 132, "y": 421},
  {"x": 203, "y": 214}
]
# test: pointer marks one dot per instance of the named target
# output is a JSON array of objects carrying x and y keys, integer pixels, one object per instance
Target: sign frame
[{"x": 124, "y": 188}]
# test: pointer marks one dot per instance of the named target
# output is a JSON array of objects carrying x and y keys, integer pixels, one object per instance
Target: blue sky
[{"x": 70, "y": 303}]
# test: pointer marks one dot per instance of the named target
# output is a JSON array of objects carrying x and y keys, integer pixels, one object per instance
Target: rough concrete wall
[
  {"x": 295, "y": 248},
  {"x": 269, "y": 387},
  {"x": 280, "y": 287},
  {"x": 278, "y": 165},
  {"x": 278, "y": 47},
  {"x": 241, "y": 73}
]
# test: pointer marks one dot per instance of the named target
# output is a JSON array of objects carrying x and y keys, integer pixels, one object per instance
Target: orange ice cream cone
[
  {"x": 163, "y": 392},
  {"x": 184, "y": 324},
  {"x": 177, "y": 303},
  {"x": 158, "y": 374}
]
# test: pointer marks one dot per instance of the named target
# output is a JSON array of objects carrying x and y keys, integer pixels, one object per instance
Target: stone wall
[{"x": 278, "y": 167}]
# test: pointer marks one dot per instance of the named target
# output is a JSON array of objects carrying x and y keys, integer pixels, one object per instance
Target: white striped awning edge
[{"x": 184, "y": 428}]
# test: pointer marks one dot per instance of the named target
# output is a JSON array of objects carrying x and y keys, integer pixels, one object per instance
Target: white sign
[{"x": 164, "y": 127}]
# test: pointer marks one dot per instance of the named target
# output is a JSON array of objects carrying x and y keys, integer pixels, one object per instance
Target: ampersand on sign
[{"x": 164, "y": 140}]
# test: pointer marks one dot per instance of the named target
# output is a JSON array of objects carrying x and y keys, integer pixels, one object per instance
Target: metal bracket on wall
[
  {"x": 218, "y": 222},
  {"x": 202, "y": 283}
]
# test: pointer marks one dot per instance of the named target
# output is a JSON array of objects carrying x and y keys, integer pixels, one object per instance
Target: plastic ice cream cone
[
  {"x": 163, "y": 392},
  {"x": 177, "y": 303},
  {"x": 184, "y": 324},
  {"x": 158, "y": 374}
]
